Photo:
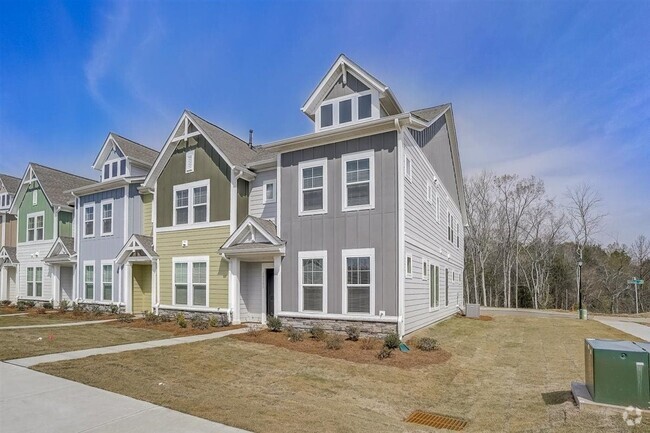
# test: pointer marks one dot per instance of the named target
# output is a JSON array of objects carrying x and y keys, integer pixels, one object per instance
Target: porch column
[
  {"x": 154, "y": 284},
  {"x": 56, "y": 284},
  {"x": 277, "y": 281},
  {"x": 233, "y": 293},
  {"x": 75, "y": 285},
  {"x": 128, "y": 278},
  {"x": 4, "y": 283}
]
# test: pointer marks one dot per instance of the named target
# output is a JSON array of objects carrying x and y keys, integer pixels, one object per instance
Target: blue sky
[{"x": 560, "y": 90}]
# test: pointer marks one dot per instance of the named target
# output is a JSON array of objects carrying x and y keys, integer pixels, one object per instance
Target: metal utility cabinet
[{"x": 616, "y": 372}]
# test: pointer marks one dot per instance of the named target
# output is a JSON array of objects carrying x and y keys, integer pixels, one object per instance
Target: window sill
[
  {"x": 311, "y": 213},
  {"x": 356, "y": 208}
]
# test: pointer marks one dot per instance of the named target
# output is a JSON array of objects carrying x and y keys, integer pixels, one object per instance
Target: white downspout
[{"x": 401, "y": 298}]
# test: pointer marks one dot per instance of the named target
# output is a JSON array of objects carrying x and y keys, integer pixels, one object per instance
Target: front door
[
  {"x": 270, "y": 299},
  {"x": 65, "y": 278}
]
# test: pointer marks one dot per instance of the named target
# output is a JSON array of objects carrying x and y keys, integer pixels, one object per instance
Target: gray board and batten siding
[{"x": 336, "y": 230}]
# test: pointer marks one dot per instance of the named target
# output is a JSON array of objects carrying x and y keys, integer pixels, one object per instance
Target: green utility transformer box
[{"x": 616, "y": 372}]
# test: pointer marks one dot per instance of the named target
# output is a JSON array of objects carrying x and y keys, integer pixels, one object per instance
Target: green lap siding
[
  {"x": 65, "y": 224},
  {"x": 27, "y": 207}
]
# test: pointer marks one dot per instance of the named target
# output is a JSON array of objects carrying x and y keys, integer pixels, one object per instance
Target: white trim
[
  {"x": 34, "y": 197},
  {"x": 190, "y": 187},
  {"x": 366, "y": 154},
  {"x": 425, "y": 268},
  {"x": 190, "y": 261},
  {"x": 409, "y": 258},
  {"x": 408, "y": 168},
  {"x": 84, "y": 221},
  {"x": 189, "y": 161},
  {"x": 401, "y": 281},
  {"x": 87, "y": 263},
  {"x": 101, "y": 216},
  {"x": 102, "y": 282},
  {"x": 312, "y": 255},
  {"x": 279, "y": 194},
  {"x": 127, "y": 217},
  {"x": 233, "y": 201},
  {"x": 273, "y": 199},
  {"x": 436, "y": 266},
  {"x": 354, "y": 107},
  {"x": 35, "y": 216},
  {"x": 245, "y": 226},
  {"x": 352, "y": 253},
  {"x": 192, "y": 226},
  {"x": 321, "y": 162}
]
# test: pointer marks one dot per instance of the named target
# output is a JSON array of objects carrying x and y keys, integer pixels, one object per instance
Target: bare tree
[{"x": 640, "y": 252}]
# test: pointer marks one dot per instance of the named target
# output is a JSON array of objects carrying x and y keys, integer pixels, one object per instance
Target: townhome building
[
  {"x": 45, "y": 217},
  {"x": 359, "y": 223},
  {"x": 109, "y": 212},
  {"x": 8, "y": 231}
]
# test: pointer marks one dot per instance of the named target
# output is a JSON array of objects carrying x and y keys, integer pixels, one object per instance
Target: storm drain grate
[{"x": 436, "y": 421}]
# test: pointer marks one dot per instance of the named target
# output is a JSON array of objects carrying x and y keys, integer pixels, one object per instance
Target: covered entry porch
[
  {"x": 8, "y": 272},
  {"x": 63, "y": 262},
  {"x": 255, "y": 253},
  {"x": 139, "y": 264}
]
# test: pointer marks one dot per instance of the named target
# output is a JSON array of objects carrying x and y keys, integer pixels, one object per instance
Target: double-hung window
[
  {"x": 191, "y": 202},
  {"x": 35, "y": 227},
  {"x": 359, "y": 180},
  {"x": 450, "y": 227},
  {"x": 268, "y": 191},
  {"x": 89, "y": 220},
  {"x": 191, "y": 281},
  {"x": 408, "y": 169},
  {"x": 359, "y": 281},
  {"x": 313, "y": 281},
  {"x": 425, "y": 269},
  {"x": 347, "y": 109},
  {"x": 114, "y": 168},
  {"x": 107, "y": 218},
  {"x": 434, "y": 286},
  {"x": 313, "y": 187},
  {"x": 89, "y": 281},
  {"x": 409, "y": 266},
  {"x": 429, "y": 192},
  {"x": 107, "y": 282},
  {"x": 35, "y": 281}
]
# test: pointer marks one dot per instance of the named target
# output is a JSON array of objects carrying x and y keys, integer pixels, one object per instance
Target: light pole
[{"x": 581, "y": 311}]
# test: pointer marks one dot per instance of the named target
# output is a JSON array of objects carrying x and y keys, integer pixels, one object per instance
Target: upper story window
[
  {"x": 35, "y": 227},
  {"x": 313, "y": 187},
  {"x": 408, "y": 169},
  {"x": 5, "y": 200},
  {"x": 107, "y": 218},
  {"x": 189, "y": 161},
  {"x": 114, "y": 168},
  {"x": 450, "y": 227},
  {"x": 34, "y": 197},
  {"x": 347, "y": 109},
  {"x": 359, "y": 180},
  {"x": 89, "y": 220},
  {"x": 191, "y": 202},
  {"x": 269, "y": 192}
]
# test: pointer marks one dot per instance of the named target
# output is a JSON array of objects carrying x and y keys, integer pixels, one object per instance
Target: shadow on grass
[{"x": 556, "y": 397}]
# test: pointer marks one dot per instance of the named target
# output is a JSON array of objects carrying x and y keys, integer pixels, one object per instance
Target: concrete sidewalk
[
  {"x": 58, "y": 325},
  {"x": 36, "y": 402},
  {"x": 636, "y": 329},
  {"x": 64, "y": 356}
]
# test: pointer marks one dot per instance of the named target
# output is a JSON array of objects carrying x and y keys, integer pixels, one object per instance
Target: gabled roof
[
  {"x": 342, "y": 65},
  {"x": 129, "y": 148},
  {"x": 431, "y": 113},
  {"x": 55, "y": 184},
  {"x": 254, "y": 235},
  {"x": 8, "y": 253},
  {"x": 10, "y": 183},
  {"x": 235, "y": 151},
  {"x": 62, "y": 249},
  {"x": 138, "y": 247}
]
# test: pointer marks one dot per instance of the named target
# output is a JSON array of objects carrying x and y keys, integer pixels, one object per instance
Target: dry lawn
[
  {"x": 511, "y": 374},
  {"x": 33, "y": 318}
]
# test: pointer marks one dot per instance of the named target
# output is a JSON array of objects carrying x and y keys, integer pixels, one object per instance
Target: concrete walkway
[
  {"x": 58, "y": 325},
  {"x": 13, "y": 314},
  {"x": 36, "y": 402},
  {"x": 636, "y": 329},
  {"x": 77, "y": 354}
]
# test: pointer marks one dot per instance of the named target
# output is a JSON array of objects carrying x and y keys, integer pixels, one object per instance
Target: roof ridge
[
  {"x": 432, "y": 107},
  {"x": 61, "y": 171},
  {"x": 218, "y": 127},
  {"x": 134, "y": 142},
  {"x": 8, "y": 175}
]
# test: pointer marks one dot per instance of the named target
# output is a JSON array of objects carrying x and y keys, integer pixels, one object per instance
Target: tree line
[{"x": 522, "y": 249}]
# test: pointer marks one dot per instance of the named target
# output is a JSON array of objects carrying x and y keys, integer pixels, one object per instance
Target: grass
[
  {"x": 44, "y": 319},
  {"x": 510, "y": 374}
]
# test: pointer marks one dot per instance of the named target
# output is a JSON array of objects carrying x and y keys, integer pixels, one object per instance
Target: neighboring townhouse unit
[
  {"x": 108, "y": 213},
  {"x": 8, "y": 231},
  {"x": 44, "y": 208}
]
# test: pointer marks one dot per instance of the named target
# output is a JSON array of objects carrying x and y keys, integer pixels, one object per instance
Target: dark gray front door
[{"x": 270, "y": 299}]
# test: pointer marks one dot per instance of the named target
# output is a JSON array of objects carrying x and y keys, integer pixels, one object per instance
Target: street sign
[{"x": 635, "y": 282}]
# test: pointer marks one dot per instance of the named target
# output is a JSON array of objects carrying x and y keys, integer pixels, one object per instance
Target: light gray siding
[
  {"x": 337, "y": 230},
  {"x": 256, "y": 206},
  {"x": 251, "y": 295},
  {"x": 425, "y": 238},
  {"x": 353, "y": 85},
  {"x": 31, "y": 254}
]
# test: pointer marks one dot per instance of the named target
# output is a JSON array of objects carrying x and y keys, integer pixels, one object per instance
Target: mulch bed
[
  {"x": 350, "y": 351},
  {"x": 172, "y": 327}
]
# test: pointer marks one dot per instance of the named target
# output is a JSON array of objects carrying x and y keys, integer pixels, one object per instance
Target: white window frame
[
  {"x": 429, "y": 192},
  {"x": 431, "y": 276},
  {"x": 362, "y": 252},
  {"x": 34, "y": 281},
  {"x": 265, "y": 185},
  {"x": 366, "y": 154},
  {"x": 437, "y": 207},
  {"x": 311, "y": 255},
  {"x": 85, "y": 265},
  {"x": 34, "y": 197},
  {"x": 107, "y": 263},
  {"x": 190, "y": 161},
  {"x": 190, "y": 201},
  {"x": 425, "y": 268},
  {"x": 110, "y": 163},
  {"x": 83, "y": 227},
  {"x": 321, "y": 162},
  {"x": 457, "y": 235},
  {"x": 101, "y": 219},
  {"x": 35, "y": 215},
  {"x": 408, "y": 168},
  {"x": 409, "y": 260},
  {"x": 374, "y": 110},
  {"x": 190, "y": 260}
]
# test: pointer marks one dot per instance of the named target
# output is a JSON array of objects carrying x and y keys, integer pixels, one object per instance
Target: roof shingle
[
  {"x": 135, "y": 150},
  {"x": 56, "y": 183},
  {"x": 11, "y": 183}
]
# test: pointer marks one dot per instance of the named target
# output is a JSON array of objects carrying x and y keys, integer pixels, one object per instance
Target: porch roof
[
  {"x": 8, "y": 256},
  {"x": 138, "y": 247}
]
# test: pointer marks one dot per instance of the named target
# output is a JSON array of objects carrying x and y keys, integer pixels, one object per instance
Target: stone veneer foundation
[{"x": 368, "y": 328}]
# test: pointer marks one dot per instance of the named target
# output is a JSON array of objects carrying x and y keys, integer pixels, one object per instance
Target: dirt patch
[
  {"x": 350, "y": 351},
  {"x": 172, "y": 327}
]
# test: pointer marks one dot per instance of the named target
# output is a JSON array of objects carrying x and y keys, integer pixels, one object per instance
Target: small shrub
[
  {"x": 63, "y": 306},
  {"x": 40, "y": 310},
  {"x": 20, "y": 306},
  {"x": 384, "y": 353},
  {"x": 96, "y": 310},
  {"x": 29, "y": 303},
  {"x": 317, "y": 333},
  {"x": 125, "y": 317},
  {"x": 426, "y": 344},
  {"x": 213, "y": 321},
  {"x": 78, "y": 309},
  {"x": 6, "y": 302},
  {"x": 165, "y": 318},
  {"x": 353, "y": 332},
  {"x": 150, "y": 317},
  {"x": 367, "y": 343},
  {"x": 274, "y": 323},
  {"x": 334, "y": 342},
  {"x": 48, "y": 306},
  {"x": 294, "y": 334},
  {"x": 199, "y": 322},
  {"x": 392, "y": 341},
  {"x": 114, "y": 309},
  {"x": 224, "y": 320},
  {"x": 254, "y": 332},
  {"x": 180, "y": 320}
]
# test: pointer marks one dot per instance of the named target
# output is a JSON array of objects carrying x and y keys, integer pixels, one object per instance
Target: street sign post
[{"x": 637, "y": 282}]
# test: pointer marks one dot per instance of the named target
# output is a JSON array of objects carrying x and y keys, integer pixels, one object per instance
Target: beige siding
[
  {"x": 147, "y": 223},
  {"x": 10, "y": 230},
  {"x": 201, "y": 242}
]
